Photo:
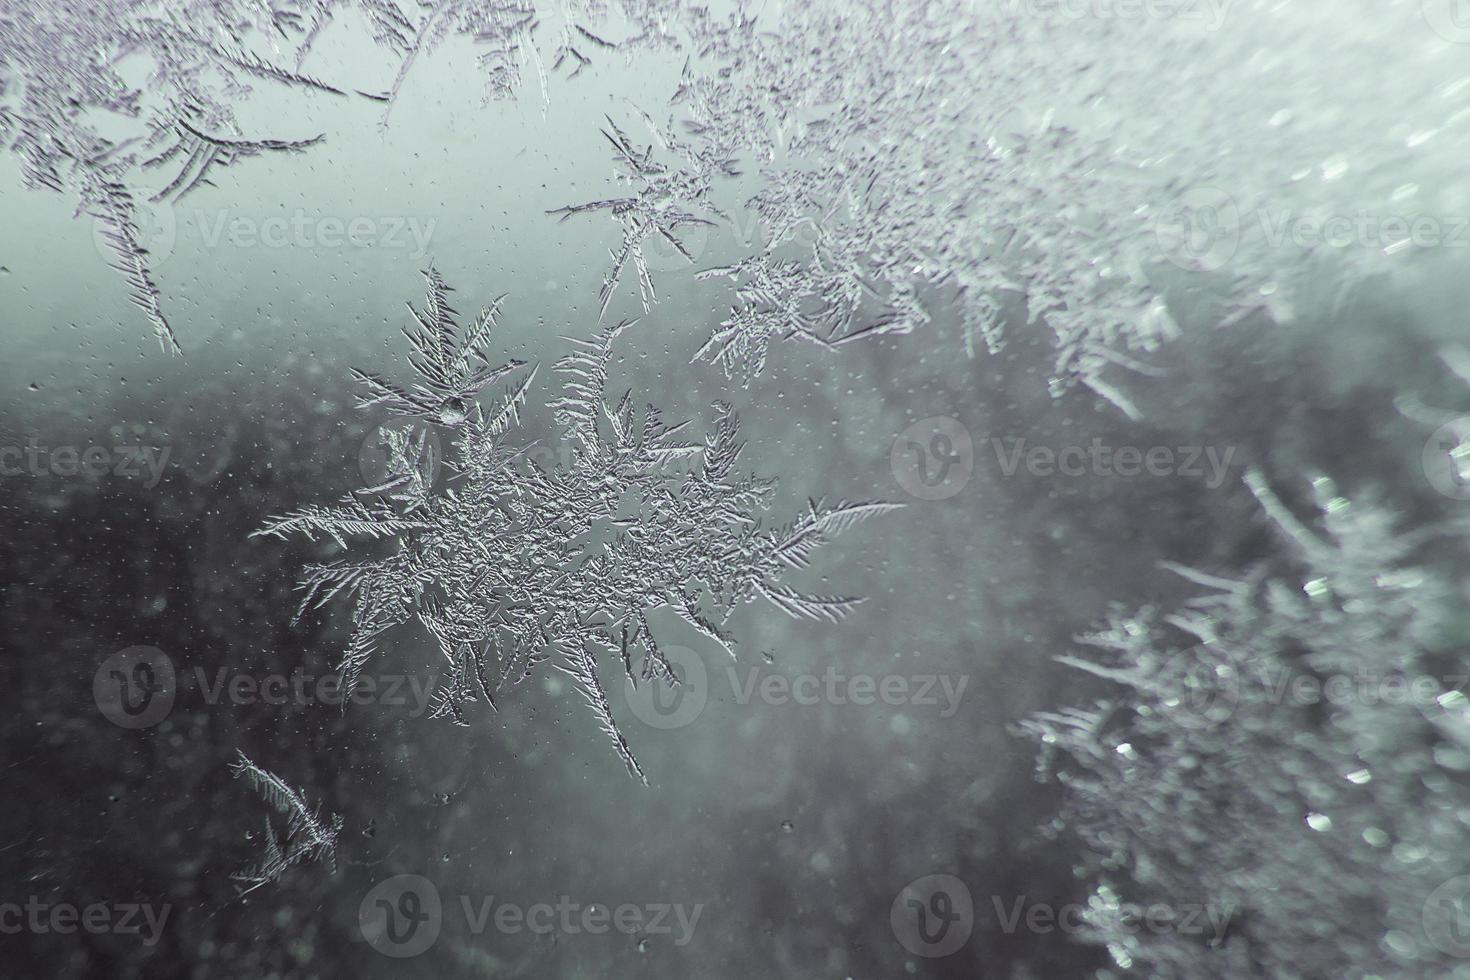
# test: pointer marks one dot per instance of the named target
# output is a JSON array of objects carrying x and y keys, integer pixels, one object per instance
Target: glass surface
[{"x": 357, "y": 622}]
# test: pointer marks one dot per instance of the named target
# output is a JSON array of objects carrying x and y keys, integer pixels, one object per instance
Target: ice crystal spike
[
  {"x": 513, "y": 567},
  {"x": 113, "y": 208},
  {"x": 581, "y": 666},
  {"x": 201, "y": 151},
  {"x": 309, "y": 837}
]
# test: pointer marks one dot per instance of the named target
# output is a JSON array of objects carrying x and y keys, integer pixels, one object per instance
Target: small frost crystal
[
  {"x": 452, "y": 369},
  {"x": 512, "y": 566},
  {"x": 309, "y": 837},
  {"x": 655, "y": 208}
]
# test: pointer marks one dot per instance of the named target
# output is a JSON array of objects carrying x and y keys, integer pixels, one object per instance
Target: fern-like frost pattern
[{"x": 513, "y": 566}]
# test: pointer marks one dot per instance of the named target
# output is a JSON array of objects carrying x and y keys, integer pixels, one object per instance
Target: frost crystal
[
  {"x": 513, "y": 566},
  {"x": 1288, "y": 748},
  {"x": 308, "y": 837},
  {"x": 918, "y": 157},
  {"x": 97, "y": 97},
  {"x": 911, "y": 156},
  {"x": 74, "y": 111},
  {"x": 655, "y": 208}
]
